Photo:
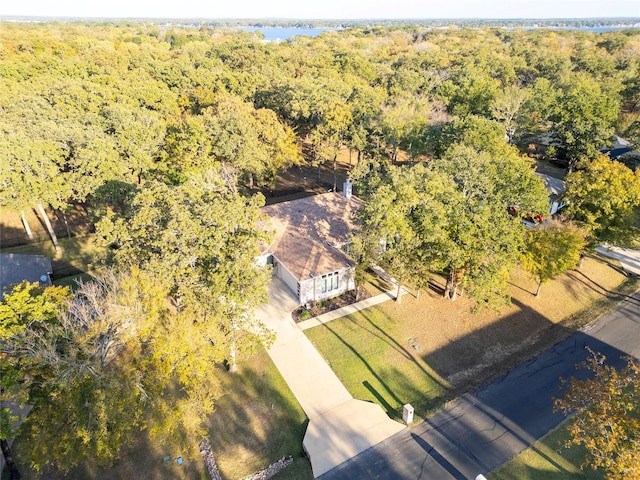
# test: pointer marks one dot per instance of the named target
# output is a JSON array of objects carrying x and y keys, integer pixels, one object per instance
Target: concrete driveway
[
  {"x": 629, "y": 259},
  {"x": 340, "y": 427}
]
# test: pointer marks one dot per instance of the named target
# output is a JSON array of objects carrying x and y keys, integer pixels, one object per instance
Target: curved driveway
[{"x": 340, "y": 427}]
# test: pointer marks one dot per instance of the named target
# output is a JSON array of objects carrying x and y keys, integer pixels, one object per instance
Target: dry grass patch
[
  {"x": 256, "y": 422},
  {"x": 428, "y": 350}
]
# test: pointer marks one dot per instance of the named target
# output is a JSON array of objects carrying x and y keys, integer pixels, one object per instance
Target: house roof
[
  {"x": 553, "y": 185},
  {"x": 617, "y": 152},
  {"x": 309, "y": 232},
  {"x": 16, "y": 268},
  {"x": 620, "y": 142}
]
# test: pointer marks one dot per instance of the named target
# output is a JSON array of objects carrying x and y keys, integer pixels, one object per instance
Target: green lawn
[
  {"x": 376, "y": 364},
  {"x": 427, "y": 351},
  {"x": 548, "y": 459}
]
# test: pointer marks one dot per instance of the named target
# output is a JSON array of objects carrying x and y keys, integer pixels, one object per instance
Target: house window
[{"x": 330, "y": 281}]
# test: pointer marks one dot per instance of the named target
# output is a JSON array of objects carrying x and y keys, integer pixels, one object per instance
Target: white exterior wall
[{"x": 311, "y": 288}]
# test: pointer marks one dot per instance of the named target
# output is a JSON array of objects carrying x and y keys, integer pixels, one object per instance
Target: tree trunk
[
  {"x": 447, "y": 288},
  {"x": 418, "y": 294},
  {"x": 399, "y": 294},
  {"x": 359, "y": 156},
  {"x": 52, "y": 234},
  {"x": 14, "y": 474},
  {"x": 335, "y": 166},
  {"x": 581, "y": 261},
  {"x": 27, "y": 228},
  {"x": 538, "y": 289},
  {"x": 66, "y": 223},
  {"x": 454, "y": 292},
  {"x": 233, "y": 365},
  {"x": 251, "y": 181}
]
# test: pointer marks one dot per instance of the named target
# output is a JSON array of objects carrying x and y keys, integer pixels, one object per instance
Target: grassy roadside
[
  {"x": 427, "y": 351},
  {"x": 548, "y": 459}
]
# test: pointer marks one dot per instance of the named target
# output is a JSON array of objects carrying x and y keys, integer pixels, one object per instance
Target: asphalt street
[{"x": 484, "y": 429}]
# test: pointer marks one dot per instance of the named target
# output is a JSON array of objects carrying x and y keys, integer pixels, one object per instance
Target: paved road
[{"x": 482, "y": 430}]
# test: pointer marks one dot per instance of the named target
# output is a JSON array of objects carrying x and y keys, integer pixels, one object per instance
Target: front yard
[
  {"x": 427, "y": 351},
  {"x": 423, "y": 351}
]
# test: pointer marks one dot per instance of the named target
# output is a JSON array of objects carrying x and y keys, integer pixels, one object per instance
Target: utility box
[
  {"x": 481, "y": 477},
  {"x": 407, "y": 414}
]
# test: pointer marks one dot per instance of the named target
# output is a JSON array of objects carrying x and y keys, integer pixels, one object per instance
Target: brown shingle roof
[{"x": 309, "y": 231}]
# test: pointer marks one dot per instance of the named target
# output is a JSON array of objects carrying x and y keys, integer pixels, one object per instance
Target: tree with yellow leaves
[{"x": 607, "y": 420}]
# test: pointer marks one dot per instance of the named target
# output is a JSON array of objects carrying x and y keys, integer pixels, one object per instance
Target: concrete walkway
[
  {"x": 629, "y": 259},
  {"x": 344, "y": 311},
  {"x": 340, "y": 427}
]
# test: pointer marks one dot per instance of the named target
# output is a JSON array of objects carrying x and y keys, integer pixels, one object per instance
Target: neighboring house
[
  {"x": 623, "y": 152},
  {"x": 556, "y": 190},
  {"x": 16, "y": 268},
  {"x": 308, "y": 252}
]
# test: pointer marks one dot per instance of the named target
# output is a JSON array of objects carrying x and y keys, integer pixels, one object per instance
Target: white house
[{"x": 307, "y": 252}]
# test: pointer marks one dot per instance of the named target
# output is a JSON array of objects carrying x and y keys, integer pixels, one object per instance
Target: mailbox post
[{"x": 407, "y": 414}]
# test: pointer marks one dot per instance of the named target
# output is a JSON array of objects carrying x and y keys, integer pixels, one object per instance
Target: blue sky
[{"x": 326, "y": 9}]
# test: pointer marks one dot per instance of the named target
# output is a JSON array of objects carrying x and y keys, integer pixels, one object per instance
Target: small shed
[{"x": 16, "y": 268}]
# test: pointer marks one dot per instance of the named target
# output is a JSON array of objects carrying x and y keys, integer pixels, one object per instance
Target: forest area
[{"x": 167, "y": 136}]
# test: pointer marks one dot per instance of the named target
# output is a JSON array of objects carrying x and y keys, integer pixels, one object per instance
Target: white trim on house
[{"x": 327, "y": 285}]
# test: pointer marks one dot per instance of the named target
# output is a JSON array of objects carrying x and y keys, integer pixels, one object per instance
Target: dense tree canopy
[
  {"x": 163, "y": 132},
  {"x": 605, "y": 196}
]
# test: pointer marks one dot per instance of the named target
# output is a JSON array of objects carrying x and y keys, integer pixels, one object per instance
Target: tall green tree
[
  {"x": 253, "y": 141},
  {"x": 605, "y": 197},
  {"x": 583, "y": 121},
  {"x": 200, "y": 239},
  {"x": 452, "y": 217}
]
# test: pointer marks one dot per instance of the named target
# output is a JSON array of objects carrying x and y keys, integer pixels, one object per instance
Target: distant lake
[
  {"x": 275, "y": 34},
  {"x": 278, "y": 34}
]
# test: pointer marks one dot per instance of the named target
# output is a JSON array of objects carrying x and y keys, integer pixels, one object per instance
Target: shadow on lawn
[
  {"x": 493, "y": 351},
  {"x": 396, "y": 388},
  {"x": 585, "y": 280},
  {"x": 255, "y": 417}
]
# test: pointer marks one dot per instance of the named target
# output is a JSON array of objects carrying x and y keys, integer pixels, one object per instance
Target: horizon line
[{"x": 337, "y": 19}]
